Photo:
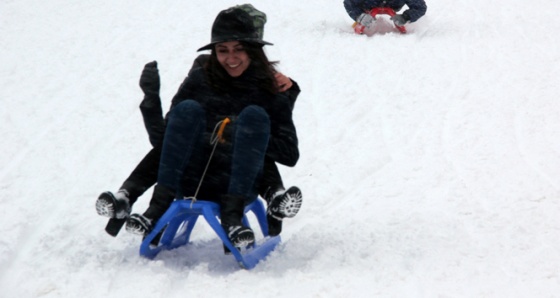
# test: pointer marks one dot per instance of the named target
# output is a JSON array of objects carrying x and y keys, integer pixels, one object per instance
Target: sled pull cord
[
  {"x": 222, "y": 124},
  {"x": 214, "y": 139}
]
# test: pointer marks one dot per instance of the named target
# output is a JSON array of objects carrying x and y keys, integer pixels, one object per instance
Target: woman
[
  {"x": 117, "y": 206},
  {"x": 237, "y": 84}
]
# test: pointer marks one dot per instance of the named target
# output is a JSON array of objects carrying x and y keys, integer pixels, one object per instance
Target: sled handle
[{"x": 358, "y": 28}]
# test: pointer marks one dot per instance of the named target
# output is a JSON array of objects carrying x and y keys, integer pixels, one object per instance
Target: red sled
[{"x": 359, "y": 28}]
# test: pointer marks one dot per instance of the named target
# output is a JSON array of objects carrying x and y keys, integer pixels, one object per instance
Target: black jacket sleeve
[
  {"x": 293, "y": 93},
  {"x": 152, "y": 115},
  {"x": 283, "y": 143},
  {"x": 152, "y": 112}
]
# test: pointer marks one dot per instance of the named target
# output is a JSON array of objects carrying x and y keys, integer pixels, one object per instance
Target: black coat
[
  {"x": 282, "y": 145},
  {"x": 152, "y": 112}
]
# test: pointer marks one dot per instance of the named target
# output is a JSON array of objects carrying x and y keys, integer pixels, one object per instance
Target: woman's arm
[{"x": 283, "y": 143}]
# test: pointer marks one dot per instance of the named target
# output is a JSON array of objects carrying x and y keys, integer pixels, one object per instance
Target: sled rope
[
  {"x": 220, "y": 136},
  {"x": 214, "y": 140}
]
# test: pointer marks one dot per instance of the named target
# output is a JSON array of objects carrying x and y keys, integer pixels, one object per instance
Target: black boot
[
  {"x": 132, "y": 189},
  {"x": 232, "y": 209},
  {"x": 161, "y": 200},
  {"x": 113, "y": 205},
  {"x": 139, "y": 224},
  {"x": 281, "y": 204}
]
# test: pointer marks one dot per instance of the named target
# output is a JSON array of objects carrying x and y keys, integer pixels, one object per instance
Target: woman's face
[{"x": 233, "y": 57}]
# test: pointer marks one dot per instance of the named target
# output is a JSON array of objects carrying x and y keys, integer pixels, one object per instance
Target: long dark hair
[{"x": 259, "y": 73}]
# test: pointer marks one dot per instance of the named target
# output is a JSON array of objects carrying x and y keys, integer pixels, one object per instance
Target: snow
[{"x": 430, "y": 162}]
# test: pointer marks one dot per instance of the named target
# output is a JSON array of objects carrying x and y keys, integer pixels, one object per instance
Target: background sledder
[{"x": 364, "y": 12}]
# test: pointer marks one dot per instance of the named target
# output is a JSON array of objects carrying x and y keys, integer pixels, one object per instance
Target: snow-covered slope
[{"x": 430, "y": 161}]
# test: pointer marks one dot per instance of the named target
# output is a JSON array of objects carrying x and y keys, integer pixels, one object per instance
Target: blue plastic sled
[{"x": 177, "y": 224}]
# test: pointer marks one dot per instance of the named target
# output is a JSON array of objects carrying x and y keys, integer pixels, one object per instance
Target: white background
[{"x": 430, "y": 162}]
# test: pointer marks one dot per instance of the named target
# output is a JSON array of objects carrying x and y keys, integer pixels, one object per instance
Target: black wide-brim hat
[{"x": 234, "y": 24}]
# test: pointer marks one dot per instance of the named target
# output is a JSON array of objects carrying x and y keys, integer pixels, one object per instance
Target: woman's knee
[
  {"x": 188, "y": 114},
  {"x": 188, "y": 107},
  {"x": 254, "y": 115}
]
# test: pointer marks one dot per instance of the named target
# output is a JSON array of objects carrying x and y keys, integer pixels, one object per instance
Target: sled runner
[
  {"x": 359, "y": 28},
  {"x": 177, "y": 223}
]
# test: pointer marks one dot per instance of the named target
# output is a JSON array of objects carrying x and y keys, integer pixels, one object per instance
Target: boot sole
[
  {"x": 243, "y": 244},
  {"x": 106, "y": 205},
  {"x": 137, "y": 225},
  {"x": 289, "y": 205},
  {"x": 242, "y": 239}
]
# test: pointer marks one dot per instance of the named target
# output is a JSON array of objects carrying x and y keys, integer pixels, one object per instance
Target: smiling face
[{"x": 233, "y": 57}]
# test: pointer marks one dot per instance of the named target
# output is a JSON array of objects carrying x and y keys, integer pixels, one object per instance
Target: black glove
[
  {"x": 399, "y": 20},
  {"x": 149, "y": 80},
  {"x": 365, "y": 19}
]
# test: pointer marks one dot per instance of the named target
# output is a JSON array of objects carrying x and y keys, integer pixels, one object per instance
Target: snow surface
[{"x": 430, "y": 162}]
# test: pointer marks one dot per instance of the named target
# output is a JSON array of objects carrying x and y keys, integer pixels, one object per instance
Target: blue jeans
[{"x": 185, "y": 136}]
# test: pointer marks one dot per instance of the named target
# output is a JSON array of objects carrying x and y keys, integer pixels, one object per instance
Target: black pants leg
[
  {"x": 143, "y": 176},
  {"x": 270, "y": 179}
]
